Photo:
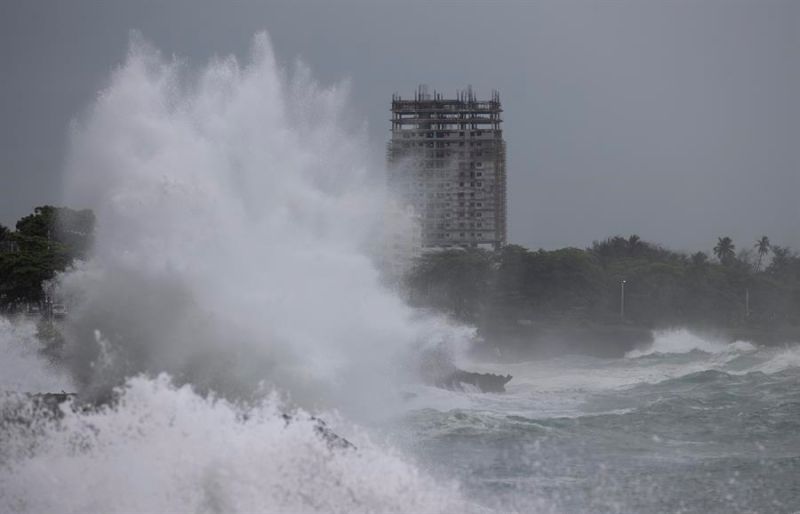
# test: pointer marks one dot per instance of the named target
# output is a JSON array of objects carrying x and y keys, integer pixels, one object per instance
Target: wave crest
[{"x": 684, "y": 341}]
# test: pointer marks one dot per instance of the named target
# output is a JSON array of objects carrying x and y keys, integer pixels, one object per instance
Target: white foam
[
  {"x": 561, "y": 386},
  {"x": 681, "y": 341},
  {"x": 166, "y": 449},
  {"x": 783, "y": 359}
]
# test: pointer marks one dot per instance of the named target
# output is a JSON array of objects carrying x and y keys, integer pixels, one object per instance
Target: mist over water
[
  {"x": 22, "y": 369},
  {"x": 234, "y": 280},
  {"x": 238, "y": 224},
  {"x": 690, "y": 425}
]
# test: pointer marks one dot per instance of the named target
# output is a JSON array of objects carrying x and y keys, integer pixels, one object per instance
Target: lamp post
[
  {"x": 622, "y": 300},
  {"x": 747, "y": 303}
]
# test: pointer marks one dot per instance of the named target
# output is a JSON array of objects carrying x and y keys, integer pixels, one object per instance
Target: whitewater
[{"x": 233, "y": 300}]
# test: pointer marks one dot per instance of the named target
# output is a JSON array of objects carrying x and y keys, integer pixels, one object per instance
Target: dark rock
[
  {"x": 23, "y": 411},
  {"x": 436, "y": 368},
  {"x": 30, "y": 407},
  {"x": 51, "y": 402},
  {"x": 485, "y": 382},
  {"x": 334, "y": 440}
]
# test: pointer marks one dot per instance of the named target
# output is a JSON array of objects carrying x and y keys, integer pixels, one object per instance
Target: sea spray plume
[{"x": 234, "y": 209}]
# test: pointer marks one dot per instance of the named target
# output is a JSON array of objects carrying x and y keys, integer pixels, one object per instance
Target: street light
[
  {"x": 622, "y": 301},
  {"x": 747, "y": 303}
]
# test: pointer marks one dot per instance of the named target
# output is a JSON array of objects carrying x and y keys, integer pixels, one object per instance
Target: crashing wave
[
  {"x": 678, "y": 341},
  {"x": 164, "y": 448}
]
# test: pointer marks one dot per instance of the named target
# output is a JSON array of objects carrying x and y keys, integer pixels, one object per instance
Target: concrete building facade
[{"x": 447, "y": 160}]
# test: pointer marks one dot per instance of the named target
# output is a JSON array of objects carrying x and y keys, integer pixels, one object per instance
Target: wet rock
[
  {"x": 437, "y": 369},
  {"x": 485, "y": 382},
  {"x": 334, "y": 440},
  {"x": 28, "y": 408}
]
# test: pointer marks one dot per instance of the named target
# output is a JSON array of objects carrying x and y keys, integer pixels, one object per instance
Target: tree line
[
  {"x": 44, "y": 243},
  {"x": 757, "y": 287},
  {"x": 515, "y": 285}
]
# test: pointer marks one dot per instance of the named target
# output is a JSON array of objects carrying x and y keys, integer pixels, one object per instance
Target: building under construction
[{"x": 447, "y": 160}]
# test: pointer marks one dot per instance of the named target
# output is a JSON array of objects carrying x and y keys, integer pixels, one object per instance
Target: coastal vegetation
[
  {"x": 622, "y": 282},
  {"x": 616, "y": 285},
  {"x": 44, "y": 243}
]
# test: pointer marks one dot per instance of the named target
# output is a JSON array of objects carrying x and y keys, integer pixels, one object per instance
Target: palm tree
[
  {"x": 762, "y": 246},
  {"x": 634, "y": 245},
  {"x": 725, "y": 250}
]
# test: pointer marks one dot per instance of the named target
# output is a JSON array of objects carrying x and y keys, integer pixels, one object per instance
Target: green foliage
[
  {"x": 699, "y": 260},
  {"x": 785, "y": 263},
  {"x": 725, "y": 250},
  {"x": 453, "y": 281},
  {"x": 662, "y": 287},
  {"x": 44, "y": 243},
  {"x": 71, "y": 228},
  {"x": 763, "y": 247}
]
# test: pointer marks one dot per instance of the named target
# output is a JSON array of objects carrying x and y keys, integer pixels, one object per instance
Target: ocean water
[
  {"x": 687, "y": 425},
  {"x": 234, "y": 281}
]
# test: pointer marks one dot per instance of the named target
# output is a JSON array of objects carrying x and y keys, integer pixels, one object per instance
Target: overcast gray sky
[{"x": 675, "y": 120}]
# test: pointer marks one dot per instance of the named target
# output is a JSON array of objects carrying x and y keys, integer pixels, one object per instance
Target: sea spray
[
  {"x": 682, "y": 340},
  {"x": 236, "y": 210},
  {"x": 162, "y": 448},
  {"x": 24, "y": 368}
]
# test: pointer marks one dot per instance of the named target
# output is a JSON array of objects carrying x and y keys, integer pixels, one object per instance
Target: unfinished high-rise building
[{"x": 447, "y": 159}]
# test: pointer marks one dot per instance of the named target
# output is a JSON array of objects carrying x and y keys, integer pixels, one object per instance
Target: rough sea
[
  {"x": 233, "y": 301},
  {"x": 688, "y": 425}
]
